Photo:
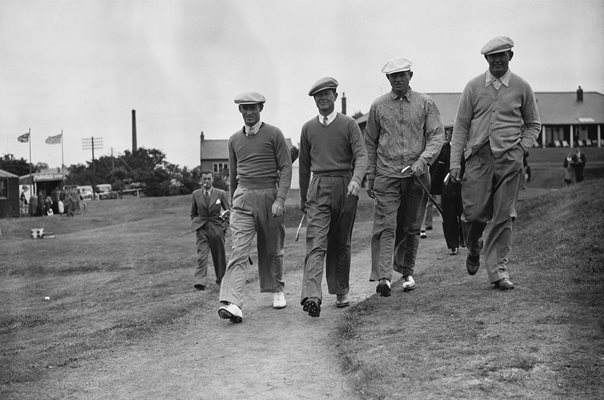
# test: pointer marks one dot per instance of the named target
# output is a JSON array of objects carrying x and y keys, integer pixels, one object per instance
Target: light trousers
[
  {"x": 251, "y": 214},
  {"x": 489, "y": 194}
]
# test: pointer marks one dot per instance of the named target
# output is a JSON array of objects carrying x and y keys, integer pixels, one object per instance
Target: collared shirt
[
  {"x": 330, "y": 117},
  {"x": 207, "y": 192},
  {"x": 252, "y": 130},
  {"x": 401, "y": 130},
  {"x": 490, "y": 79}
]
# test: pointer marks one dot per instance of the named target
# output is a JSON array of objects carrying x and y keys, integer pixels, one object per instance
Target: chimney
[
  {"x": 134, "y": 146},
  {"x": 344, "y": 103},
  {"x": 579, "y": 94},
  {"x": 201, "y": 139}
]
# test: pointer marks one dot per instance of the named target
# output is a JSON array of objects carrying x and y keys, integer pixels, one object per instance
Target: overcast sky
[{"x": 81, "y": 66}]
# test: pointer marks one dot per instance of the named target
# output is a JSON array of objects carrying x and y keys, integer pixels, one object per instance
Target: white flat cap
[
  {"x": 323, "y": 84},
  {"x": 249, "y": 98},
  {"x": 498, "y": 44},
  {"x": 397, "y": 65}
]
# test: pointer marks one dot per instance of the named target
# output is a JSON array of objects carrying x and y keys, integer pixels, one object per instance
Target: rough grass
[{"x": 454, "y": 337}]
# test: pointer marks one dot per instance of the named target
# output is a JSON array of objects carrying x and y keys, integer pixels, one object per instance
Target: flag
[
  {"x": 54, "y": 139},
  {"x": 23, "y": 138}
]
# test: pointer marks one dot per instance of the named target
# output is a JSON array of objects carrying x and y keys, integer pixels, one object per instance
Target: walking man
[
  {"x": 404, "y": 136},
  {"x": 497, "y": 123},
  {"x": 260, "y": 176},
  {"x": 332, "y": 148},
  {"x": 207, "y": 212}
]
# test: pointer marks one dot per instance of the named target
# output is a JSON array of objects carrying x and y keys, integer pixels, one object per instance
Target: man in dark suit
[{"x": 210, "y": 205}]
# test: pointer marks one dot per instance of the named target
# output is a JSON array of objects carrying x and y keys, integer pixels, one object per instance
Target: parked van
[{"x": 85, "y": 192}]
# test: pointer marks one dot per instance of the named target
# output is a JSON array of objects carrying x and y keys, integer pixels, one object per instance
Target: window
[
  {"x": 3, "y": 188},
  {"x": 219, "y": 167}
]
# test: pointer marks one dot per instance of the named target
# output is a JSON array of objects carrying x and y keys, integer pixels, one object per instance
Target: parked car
[
  {"x": 85, "y": 192},
  {"x": 104, "y": 191}
]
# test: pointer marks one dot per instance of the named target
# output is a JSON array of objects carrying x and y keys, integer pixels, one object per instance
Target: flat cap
[
  {"x": 498, "y": 44},
  {"x": 323, "y": 84},
  {"x": 397, "y": 65},
  {"x": 249, "y": 98}
]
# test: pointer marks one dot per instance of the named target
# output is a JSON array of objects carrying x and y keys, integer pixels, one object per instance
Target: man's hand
[
  {"x": 370, "y": 188},
  {"x": 278, "y": 208},
  {"x": 303, "y": 205},
  {"x": 419, "y": 167},
  {"x": 353, "y": 188},
  {"x": 455, "y": 174}
]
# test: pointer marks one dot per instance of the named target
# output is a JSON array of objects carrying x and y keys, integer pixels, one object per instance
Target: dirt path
[{"x": 273, "y": 354}]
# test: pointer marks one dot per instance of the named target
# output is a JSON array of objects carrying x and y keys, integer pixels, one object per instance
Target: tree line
[{"x": 146, "y": 169}]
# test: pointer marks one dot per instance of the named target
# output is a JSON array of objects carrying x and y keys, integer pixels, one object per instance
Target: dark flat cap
[
  {"x": 249, "y": 98},
  {"x": 323, "y": 84},
  {"x": 498, "y": 44}
]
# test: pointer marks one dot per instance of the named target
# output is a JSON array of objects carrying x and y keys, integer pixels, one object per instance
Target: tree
[
  {"x": 357, "y": 115},
  {"x": 40, "y": 166},
  {"x": 145, "y": 166},
  {"x": 18, "y": 167}
]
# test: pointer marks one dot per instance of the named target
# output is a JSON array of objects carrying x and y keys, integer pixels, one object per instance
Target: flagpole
[
  {"x": 31, "y": 187},
  {"x": 62, "y": 161}
]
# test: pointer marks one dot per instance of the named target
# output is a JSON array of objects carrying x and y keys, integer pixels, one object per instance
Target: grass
[
  {"x": 115, "y": 276},
  {"x": 455, "y": 337},
  {"x": 118, "y": 275}
]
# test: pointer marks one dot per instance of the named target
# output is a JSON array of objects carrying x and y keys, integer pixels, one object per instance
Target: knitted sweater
[
  {"x": 260, "y": 161},
  {"x": 335, "y": 149},
  {"x": 503, "y": 117}
]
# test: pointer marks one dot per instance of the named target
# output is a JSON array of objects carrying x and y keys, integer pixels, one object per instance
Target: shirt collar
[
  {"x": 330, "y": 117},
  {"x": 395, "y": 96},
  {"x": 252, "y": 130},
  {"x": 505, "y": 79}
]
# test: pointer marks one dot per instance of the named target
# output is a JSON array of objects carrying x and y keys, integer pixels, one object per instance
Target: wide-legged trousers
[
  {"x": 489, "y": 192},
  {"x": 251, "y": 214},
  {"x": 331, "y": 214},
  {"x": 386, "y": 253}
]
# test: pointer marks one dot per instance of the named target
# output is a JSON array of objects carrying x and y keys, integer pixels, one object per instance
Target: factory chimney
[
  {"x": 344, "y": 103},
  {"x": 134, "y": 146}
]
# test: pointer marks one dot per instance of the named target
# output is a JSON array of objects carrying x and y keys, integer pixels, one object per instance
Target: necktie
[
  {"x": 206, "y": 193},
  {"x": 325, "y": 121}
]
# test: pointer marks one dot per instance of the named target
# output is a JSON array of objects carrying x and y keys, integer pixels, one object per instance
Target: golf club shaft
[{"x": 432, "y": 199}]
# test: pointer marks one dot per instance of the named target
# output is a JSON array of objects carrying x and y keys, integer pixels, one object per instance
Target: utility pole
[{"x": 92, "y": 143}]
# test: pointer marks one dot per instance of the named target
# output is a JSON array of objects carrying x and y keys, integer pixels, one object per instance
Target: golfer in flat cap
[
  {"x": 260, "y": 175},
  {"x": 332, "y": 148},
  {"x": 497, "y": 123},
  {"x": 404, "y": 136}
]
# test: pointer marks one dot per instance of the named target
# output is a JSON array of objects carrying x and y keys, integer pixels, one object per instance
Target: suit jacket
[{"x": 204, "y": 210}]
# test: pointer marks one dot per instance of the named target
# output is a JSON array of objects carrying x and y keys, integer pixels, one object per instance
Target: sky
[{"x": 81, "y": 66}]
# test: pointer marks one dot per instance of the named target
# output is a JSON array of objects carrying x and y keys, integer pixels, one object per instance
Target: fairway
[{"x": 104, "y": 310}]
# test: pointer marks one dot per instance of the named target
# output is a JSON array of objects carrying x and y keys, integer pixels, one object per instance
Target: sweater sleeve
[
  {"x": 530, "y": 117},
  {"x": 461, "y": 128},
  {"x": 232, "y": 168},
  {"x": 284, "y": 165},
  {"x": 372, "y": 132},
  {"x": 434, "y": 131},
  {"x": 304, "y": 165},
  {"x": 359, "y": 150}
]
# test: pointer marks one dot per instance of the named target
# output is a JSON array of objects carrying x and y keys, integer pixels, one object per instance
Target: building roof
[
  {"x": 6, "y": 174},
  {"x": 555, "y": 108},
  {"x": 562, "y": 108},
  {"x": 216, "y": 149}
]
